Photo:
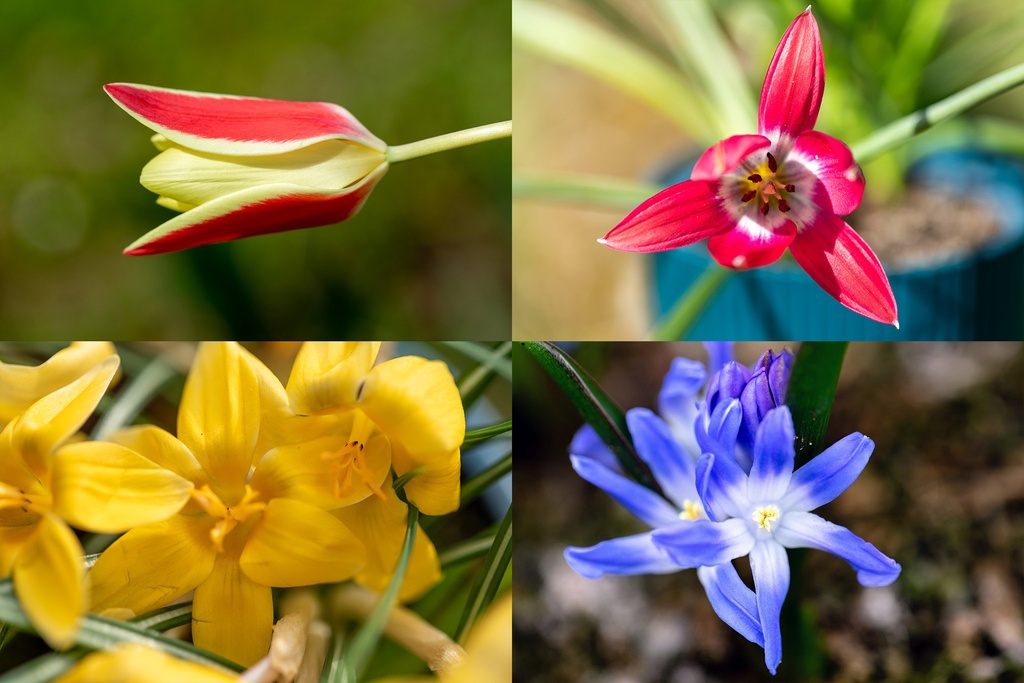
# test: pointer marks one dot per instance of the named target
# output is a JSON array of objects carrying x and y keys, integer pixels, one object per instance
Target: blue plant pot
[{"x": 979, "y": 296}]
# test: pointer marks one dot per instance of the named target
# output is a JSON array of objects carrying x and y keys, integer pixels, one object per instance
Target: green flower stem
[
  {"x": 461, "y": 138},
  {"x": 594, "y": 191},
  {"x": 901, "y": 130},
  {"x": 685, "y": 312}
]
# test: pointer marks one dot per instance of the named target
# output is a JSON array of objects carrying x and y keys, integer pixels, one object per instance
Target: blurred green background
[{"x": 428, "y": 257}]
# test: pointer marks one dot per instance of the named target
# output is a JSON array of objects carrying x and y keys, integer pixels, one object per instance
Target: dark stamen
[
  {"x": 764, "y": 209},
  {"x": 754, "y": 178},
  {"x": 783, "y": 206},
  {"x": 772, "y": 165},
  {"x": 790, "y": 188},
  {"x": 748, "y": 196}
]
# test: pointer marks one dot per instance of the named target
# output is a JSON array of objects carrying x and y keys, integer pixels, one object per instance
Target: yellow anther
[
  {"x": 692, "y": 510},
  {"x": 349, "y": 463},
  {"x": 765, "y": 516},
  {"x": 230, "y": 516}
]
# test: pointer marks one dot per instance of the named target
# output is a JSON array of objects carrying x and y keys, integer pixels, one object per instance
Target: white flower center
[
  {"x": 766, "y": 515},
  {"x": 692, "y": 510}
]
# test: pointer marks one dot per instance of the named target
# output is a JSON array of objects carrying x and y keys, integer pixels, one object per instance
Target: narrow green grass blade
[
  {"x": 130, "y": 402},
  {"x": 487, "y": 581},
  {"x": 618, "y": 194},
  {"x": 472, "y": 382},
  {"x": 686, "y": 311},
  {"x": 468, "y": 550},
  {"x": 495, "y": 358},
  {"x": 485, "y": 433},
  {"x": 475, "y": 486}
]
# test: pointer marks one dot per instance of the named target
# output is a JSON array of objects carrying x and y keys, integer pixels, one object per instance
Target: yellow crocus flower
[
  {"x": 131, "y": 663},
  {"x": 47, "y": 483},
  {"x": 245, "y": 529}
]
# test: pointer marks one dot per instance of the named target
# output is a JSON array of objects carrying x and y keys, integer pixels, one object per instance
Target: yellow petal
[
  {"x": 11, "y": 540},
  {"x": 160, "y": 447},
  {"x": 489, "y": 647},
  {"x": 131, "y": 663},
  {"x": 23, "y": 385},
  {"x": 232, "y": 615},
  {"x": 48, "y": 579},
  {"x": 381, "y": 526},
  {"x": 219, "y": 415},
  {"x": 296, "y": 544},
  {"x": 54, "y": 418},
  {"x": 416, "y": 403},
  {"x": 103, "y": 487},
  {"x": 195, "y": 178},
  {"x": 153, "y": 565},
  {"x": 327, "y": 375}
]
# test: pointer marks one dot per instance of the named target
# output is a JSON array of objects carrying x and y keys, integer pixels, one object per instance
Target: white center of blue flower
[{"x": 766, "y": 515}]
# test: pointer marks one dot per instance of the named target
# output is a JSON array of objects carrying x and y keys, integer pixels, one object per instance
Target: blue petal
[
  {"x": 677, "y": 400},
  {"x": 671, "y": 465},
  {"x": 778, "y": 376},
  {"x": 587, "y": 443},
  {"x": 719, "y": 353},
  {"x": 770, "y": 567},
  {"x": 808, "y": 530},
  {"x": 733, "y": 602},
  {"x": 644, "y": 503},
  {"x": 727, "y": 384},
  {"x": 621, "y": 557},
  {"x": 717, "y": 433},
  {"x": 829, "y": 474},
  {"x": 773, "y": 457},
  {"x": 722, "y": 487},
  {"x": 701, "y": 543}
]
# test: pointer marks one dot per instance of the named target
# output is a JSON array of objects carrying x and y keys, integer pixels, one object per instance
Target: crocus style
[
  {"x": 754, "y": 196},
  {"x": 241, "y": 533},
  {"x": 47, "y": 483},
  {"x": 243, "y": 166}
]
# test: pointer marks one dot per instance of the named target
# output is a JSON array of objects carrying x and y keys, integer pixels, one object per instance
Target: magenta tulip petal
[
  {"x": 685, "y": 213},
  {"x": 238, "y": 126},
  {"x": 795, "y": 81},
  {"x": 832, "y": 162},
  {"x": 725, "y": 155},
  {"x": 256, "y": 211},
  {"x": 844, "y": 266},
  {"x": 750, "y": 244}
]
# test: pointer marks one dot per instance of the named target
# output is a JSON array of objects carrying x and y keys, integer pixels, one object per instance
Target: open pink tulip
[
  {"x": 754, "y": 196},
  {"x": 243, "y": 166}
]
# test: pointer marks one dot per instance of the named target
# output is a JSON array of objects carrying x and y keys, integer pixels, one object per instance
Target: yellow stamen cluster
[
  {"x": 767, "y": 186},
  {"x": 349, "y": 469},
  {"x": 765, "y": 516},
  {"x": 16, "y": 498},
  {"x": 692, "y": 510},
  {"x": 230, "y": 516}
]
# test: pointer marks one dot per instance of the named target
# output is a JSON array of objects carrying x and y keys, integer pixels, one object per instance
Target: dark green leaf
[
  {"x": 485, "y": 586},
  {"x": 484, "y": 433},
  {"x": 812, "y": 388}
]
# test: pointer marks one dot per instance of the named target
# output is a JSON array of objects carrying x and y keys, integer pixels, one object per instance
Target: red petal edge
[
  {"x": 751, "y": 245},
  {"x": 793, "y": 86},
  {"x": 844, "y": 266},
  {"x": 831, "y": 161},
  {"x": 725, "y": 155},
  {"x": 683, "y": 214}
]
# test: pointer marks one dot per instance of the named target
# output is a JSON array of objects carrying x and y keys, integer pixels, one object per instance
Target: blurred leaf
[
  {"x": 687, "y": 310},
  {"x": 473, "y": 381},
  {"x": 493, "y": 358},
  {"x": 131, "y": 401},
  {"x": 480, "y": 481},
  {"x": 590, "y": 190},
  {"x": 567, "y": 39},
  {"x": 46, "y": 667},
  {"x": 600, "y": 411},
  {"x": 485, "y": 587},
  {"x": 812, "y": 389},
  {"x": 486, "y": 433},
  {"x": 468, "y": 550}
]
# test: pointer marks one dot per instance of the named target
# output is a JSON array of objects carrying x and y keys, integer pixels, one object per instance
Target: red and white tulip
[{"x": 242, "y": 166}]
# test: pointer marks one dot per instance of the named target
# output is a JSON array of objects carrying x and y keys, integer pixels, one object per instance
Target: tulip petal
[
  {"x": 49, "y": 581},
  {"x": 702, "y": 543},
  {"x": 671, "y": 466},
  {"x": 808, "y": 530},
  {"x": 296, "y": 544},
  {"x": 770, "y": 567},
  {"x": 844, "y": 266},
  {"x": 219, "y": 415},
  {"x": 153, "y": 565},
  {"x": 831, "y": 164},
  {"x": 643, "y": 503},
  {"x": 749, "y": 244},
  {"x": 232, "y": 615},
  {"x": 733, "y": 602},
  {"x": 381, "y": 525},
  {"x": 106, "y": 488},
  {"x": 829, "y": 473},
  {"x": 725, "y": 155},
  {"x": 240, "y": 126},
  {"x": 683, "y": 214},
  {"x": 626, "y": 556},
  {"x": 416, "y": 404},
  {"x": 795, "y": 82},
  {"x": 774, "y": 454},
  {"x": 23, "y": 385},
  {"x": 257, "y": 211},
  {"x": 327, "y": 376},
  {"x": 54, "y": 418}
]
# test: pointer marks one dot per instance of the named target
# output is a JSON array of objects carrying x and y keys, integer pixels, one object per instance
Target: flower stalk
[
  {"x": 441, "y": 143},
  {"x": 688, "y": 308}
]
